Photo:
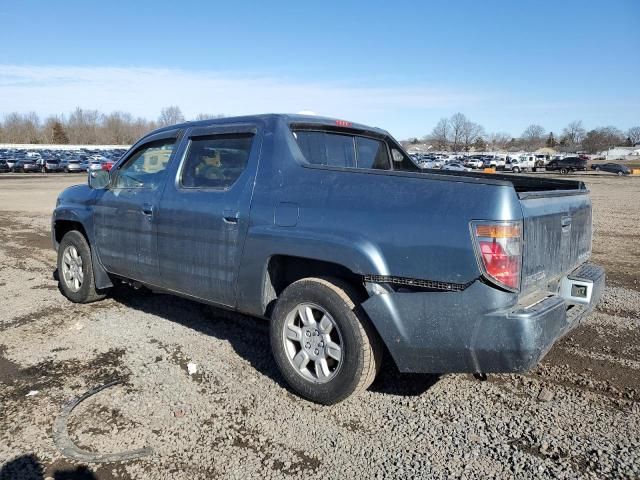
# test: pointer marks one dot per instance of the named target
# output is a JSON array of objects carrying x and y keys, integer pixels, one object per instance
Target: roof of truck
[{"x": 287, "y": 117}]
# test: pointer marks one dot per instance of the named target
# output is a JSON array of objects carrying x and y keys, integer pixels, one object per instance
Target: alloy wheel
[
  {"x": 72, "y": 268},
  {"x": 313, "y": 343}
]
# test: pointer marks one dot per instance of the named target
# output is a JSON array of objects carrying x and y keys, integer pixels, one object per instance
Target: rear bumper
[{"x": 480, "y": 329}]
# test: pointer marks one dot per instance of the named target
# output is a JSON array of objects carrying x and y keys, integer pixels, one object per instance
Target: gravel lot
[{"x": 577, "y": 415}]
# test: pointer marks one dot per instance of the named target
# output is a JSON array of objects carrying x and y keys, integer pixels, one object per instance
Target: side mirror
[
  {"x": 98, "y": 179},
  {"x": 397, "y": 156}
]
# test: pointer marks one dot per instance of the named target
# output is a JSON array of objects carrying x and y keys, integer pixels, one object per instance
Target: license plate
[{"x": 579, "y": 291}]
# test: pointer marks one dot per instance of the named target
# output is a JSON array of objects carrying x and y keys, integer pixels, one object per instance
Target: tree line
[
  {"x": 458, "y": 133},
  {"x": 86, "y": 127}
]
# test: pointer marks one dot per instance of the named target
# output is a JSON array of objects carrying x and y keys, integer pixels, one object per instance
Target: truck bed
[{"x": 522, "y": 184}]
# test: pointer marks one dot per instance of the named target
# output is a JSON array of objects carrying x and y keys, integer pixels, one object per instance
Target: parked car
[
  {"x": 319, "y": 226},
  {"x": 12, "y": 161},
  {"x": 107, "y": 164},
  {"x": 25, "y": 166},
  {"x": 474, "y": 163},
  {"x": 4, "y": 167},
  {"x": 49, "y": 165},
  {"x": 611, "y": 168},
  {"x": 427, "y": 164},
  {"x": 567, "y": 164},
  {"x": 93, "y": 165},
  {"x": 456, "y": 167},
  {"x": 73, "y": 166}
]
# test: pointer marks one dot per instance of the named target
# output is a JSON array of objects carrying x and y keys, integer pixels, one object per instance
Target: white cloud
[{"x": 144, "y": 91}]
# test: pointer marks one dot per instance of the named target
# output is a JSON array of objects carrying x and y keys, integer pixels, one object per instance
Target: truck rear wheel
[
  {"x": 323, "y": 343},
  {"x": 75, "y": 270}
]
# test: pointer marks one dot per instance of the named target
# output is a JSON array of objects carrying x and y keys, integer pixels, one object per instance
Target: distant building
[{"x": 620, "y": 152}]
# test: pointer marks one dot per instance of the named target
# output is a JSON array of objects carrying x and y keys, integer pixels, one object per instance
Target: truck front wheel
[
  {"x": 75, "y": 270},
  {"x": 323, "y": 343}
]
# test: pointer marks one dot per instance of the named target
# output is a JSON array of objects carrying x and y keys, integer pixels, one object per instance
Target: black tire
[
  {"x": 87, "y": 292},
  {"x": 516, "y": 169},
  {"x": 563, "y": 171},
  {"x": 361, "y": 345},
  {"x": 620, "y": 174}
]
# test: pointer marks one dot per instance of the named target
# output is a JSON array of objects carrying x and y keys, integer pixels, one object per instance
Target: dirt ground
[{"x": 576, "y": 415}]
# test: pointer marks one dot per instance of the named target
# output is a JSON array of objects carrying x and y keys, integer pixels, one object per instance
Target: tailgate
[{"x": 557, "y": 236}]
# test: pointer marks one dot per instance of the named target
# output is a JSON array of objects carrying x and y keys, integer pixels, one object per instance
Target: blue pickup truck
[{"x": 327, "y": 229}]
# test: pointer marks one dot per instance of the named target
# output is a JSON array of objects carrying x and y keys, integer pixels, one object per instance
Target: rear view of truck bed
[{"x": 557, "y": 237}]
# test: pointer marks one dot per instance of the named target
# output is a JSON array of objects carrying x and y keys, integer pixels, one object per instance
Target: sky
[{"x": 396, "y": 65}]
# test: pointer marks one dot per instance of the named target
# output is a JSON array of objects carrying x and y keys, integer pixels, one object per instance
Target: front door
[
  {"x": 204, "y": 212},
  {"x": 125, "y": 212}
]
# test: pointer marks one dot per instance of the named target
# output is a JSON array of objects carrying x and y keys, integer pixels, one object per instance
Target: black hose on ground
[{"x": 69, "y": 449}]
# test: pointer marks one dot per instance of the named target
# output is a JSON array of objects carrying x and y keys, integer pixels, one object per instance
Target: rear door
[
  {"x": 204, "y": 211},
  {"x": 125, "y": 213}
]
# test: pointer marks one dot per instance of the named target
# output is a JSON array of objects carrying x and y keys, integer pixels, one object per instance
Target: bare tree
[
  {"x": 170, "y": 116},
  {"x": 499, "y": 140},
  {"x": 634, "y": 135},
  {"x": 440, "y": 134},
  {"x": 573, "y": 134},
  {"x": 82, "y": 126},
  {"x": 117, "y": 128},
  {"x": 141, "y": 127},
  {"x": 22, "y": 128},
  {"x": 12, "y": 128},
  {"x": 457, "y": 123},
  {"x": 471, "y": 132},
  {"x": 602, "y": 138},
  {"x": 533, "y": 136}
]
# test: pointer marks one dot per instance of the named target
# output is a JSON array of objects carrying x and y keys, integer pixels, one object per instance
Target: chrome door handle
[
  {"x": 229, "y": 216},
  {"x": 147, "y": 209}
]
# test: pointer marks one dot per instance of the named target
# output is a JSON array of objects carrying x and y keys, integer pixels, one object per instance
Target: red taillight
[
  {"x": 343, "y": 123},
  {"x": 499, "y": 248}
]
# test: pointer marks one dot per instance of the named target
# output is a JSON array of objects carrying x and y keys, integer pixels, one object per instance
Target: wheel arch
[
  {"x": 282, "y": 270},
  {"x": 66, "y": 224},
  {"x": 63, "y": 226}
]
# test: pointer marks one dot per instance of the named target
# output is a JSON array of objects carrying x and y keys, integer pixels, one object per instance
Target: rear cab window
[{"x": 345, "y": 149}]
